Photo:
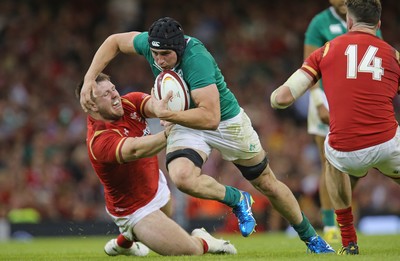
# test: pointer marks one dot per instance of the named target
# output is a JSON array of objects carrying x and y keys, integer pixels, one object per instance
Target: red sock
[
  {"x": 205, "y": 246},
  {"x": 344, "y": 218},
  {"x": 123, "y": 242}
]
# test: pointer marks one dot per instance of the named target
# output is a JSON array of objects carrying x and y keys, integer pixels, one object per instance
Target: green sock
[
  {"x": 328, "y": 217},
  {"x": 304, "y": 229},
  {"x": 232, "y": 196}
]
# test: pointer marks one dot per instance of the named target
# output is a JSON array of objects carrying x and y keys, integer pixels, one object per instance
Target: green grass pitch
[{"x": 262, "y": 246}]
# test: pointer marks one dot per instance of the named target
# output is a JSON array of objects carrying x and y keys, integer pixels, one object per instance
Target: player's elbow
[
  {"x": 281, "y": 98},
  {"x": 210, "y": 118},
  {"x": 210, "y": 123},
  {"x": 213, "y": 125}
]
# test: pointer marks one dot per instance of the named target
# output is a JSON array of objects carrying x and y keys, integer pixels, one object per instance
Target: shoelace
[
  {"x": 314, "y": 244},
  {"x": 241, "y": 213}
]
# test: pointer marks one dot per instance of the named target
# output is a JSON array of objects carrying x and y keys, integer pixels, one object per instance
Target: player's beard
[{"x": 113, "y": 115}]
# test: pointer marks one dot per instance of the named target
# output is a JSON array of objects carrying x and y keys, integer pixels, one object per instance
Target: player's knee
[
  {"x": 252, "y": 172},
  {"x": 188, "y": 153},
  {"x": 180, "y": 174}
]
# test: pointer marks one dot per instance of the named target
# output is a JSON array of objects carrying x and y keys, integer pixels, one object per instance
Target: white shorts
[
  {"x": 235, "y": 138},
  {"x": 314, "y": 124},
  {"x": 385, "y": 157},
  {"x": 126, "y": 223}
]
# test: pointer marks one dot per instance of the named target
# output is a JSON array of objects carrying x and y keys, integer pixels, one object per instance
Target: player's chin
[
  {"x": 166, "y": 67},
  {"x": 118, "y": 113},
  {"x": 342, "y": 9}
]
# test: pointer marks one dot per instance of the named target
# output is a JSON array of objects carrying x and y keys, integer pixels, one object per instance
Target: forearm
[
  {"x": 196, "y": 118},
  {"x": 281, "y": 98},
  {"x": 291, "y": 90},
  {"x": 142, "y": 147},
  {"x": 106, "y": 52}
]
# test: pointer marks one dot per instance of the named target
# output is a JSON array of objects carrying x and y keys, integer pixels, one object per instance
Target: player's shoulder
[
  {"x": 140, "y": 43},
  {"x": 195, "y": 54},
  {"x": 367, "y": 40},
  {"x": 134, "y": 100},
  {"x": 322, "y": 17},
  {"x": 194, "y": 46}
]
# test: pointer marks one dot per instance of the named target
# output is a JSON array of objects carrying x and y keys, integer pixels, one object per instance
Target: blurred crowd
[{"x": 46, "y": 47}]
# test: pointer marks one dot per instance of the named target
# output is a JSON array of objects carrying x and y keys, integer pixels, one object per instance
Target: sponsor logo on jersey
[
  {"x": 146, "y": 131},
  {"x": 336, "y": 29}
]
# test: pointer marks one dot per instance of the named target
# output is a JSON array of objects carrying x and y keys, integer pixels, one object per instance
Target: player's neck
[{"x": 363, "y": 28}]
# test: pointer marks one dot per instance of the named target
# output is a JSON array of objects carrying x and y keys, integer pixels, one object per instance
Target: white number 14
[{"x": 369, "y": 63}]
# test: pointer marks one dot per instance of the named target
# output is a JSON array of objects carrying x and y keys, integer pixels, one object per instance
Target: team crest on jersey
[
  {"x": 135, "y": 116},
  {"x": 126, "y": 132}
]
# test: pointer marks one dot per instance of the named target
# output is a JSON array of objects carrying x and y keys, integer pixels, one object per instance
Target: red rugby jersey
[
  {"x": 361, "y": 77},
  {"x": 127, "y": 186}
]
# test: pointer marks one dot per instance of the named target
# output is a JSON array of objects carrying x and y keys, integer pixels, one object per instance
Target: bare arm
[
  {"x": 141, "y": 147},
  {"x": 297, "y": 84},
  {"x": 113, "y": 45},
  {"x": 146, "y": 146},
  {"x": 315, "y": 94},
  {"x": 206, "y": 115}
]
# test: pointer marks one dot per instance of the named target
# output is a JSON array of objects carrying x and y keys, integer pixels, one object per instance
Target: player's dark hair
[
  {"x": 365, "y": 11},
  {"x": 101, "y": 77},
  {"x": 167, "y": 33}
]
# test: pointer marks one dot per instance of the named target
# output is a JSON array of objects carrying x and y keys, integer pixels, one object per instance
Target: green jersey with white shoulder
[
  {"x": 326, "y": 26},
  {"x": 198, "y": 68}
]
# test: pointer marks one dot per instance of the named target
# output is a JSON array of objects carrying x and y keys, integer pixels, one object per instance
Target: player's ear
[
  {"x": 349, "y": 22},
  {"x": 94, "y": 108}
]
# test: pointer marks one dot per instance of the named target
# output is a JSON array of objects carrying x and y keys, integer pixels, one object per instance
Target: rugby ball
[{"x": 167, "y": 81}]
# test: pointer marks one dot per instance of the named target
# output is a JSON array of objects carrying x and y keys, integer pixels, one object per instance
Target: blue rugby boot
[
  {"x": 317, "y": 245},
  {"x": 242, "y": 211}
]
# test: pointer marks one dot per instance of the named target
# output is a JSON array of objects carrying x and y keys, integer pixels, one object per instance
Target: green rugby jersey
[
  {"x": 198, "y": 68},
  {"x": 326, "y": 26}
]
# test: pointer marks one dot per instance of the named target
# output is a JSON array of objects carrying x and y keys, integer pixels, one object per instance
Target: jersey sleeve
[
  {"x": 313, "y": 35},
  {"x": 202, "y": 71},
  {"x": 105, "y": 146},
  {"x": 137, "y": 100},
  {"x": 141, "y": 45},
  {"x": 311, "y": 64}
]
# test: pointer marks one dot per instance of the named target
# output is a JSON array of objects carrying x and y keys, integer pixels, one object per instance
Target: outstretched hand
[{"x": 86, "y": 92}]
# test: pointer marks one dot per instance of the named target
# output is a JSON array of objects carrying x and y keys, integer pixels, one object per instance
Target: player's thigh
[
  {"x": 165, "y": 236},
  {"x": 182, "y": 137},
  {"x": 389, "y": 157},
  {"x": 237, "y": 141},
  {"x": 186, "y": 152}
]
